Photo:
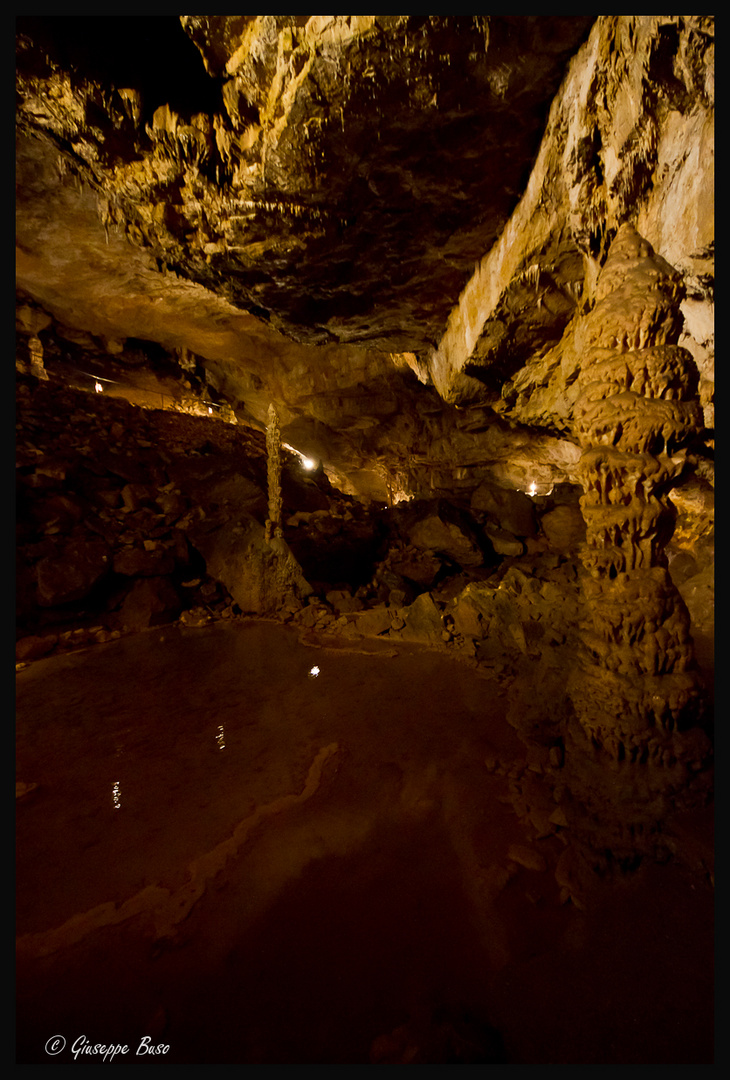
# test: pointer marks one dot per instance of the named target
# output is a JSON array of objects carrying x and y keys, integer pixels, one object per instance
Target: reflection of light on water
[
  {"x": 220, "y": 737},
  {"x": 117, "y": 795},
  {"x": 313, "y": 672}
]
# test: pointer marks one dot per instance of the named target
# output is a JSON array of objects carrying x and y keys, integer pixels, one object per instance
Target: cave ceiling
[{"x": 383, "y": 224}]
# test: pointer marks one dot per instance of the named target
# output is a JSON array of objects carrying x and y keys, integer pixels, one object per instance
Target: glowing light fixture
[
  {"x": 308, "y": 463},
  {"x": 313, "y": 672},
  {"x": 539, "y": 489},
  {"x": 98, "y": 387}
]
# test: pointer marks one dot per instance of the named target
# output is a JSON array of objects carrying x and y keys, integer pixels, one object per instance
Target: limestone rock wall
[{"x": 630, "y": 138}]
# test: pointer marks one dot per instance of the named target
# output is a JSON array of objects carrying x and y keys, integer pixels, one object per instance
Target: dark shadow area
[{"x": 150, "y": 53}]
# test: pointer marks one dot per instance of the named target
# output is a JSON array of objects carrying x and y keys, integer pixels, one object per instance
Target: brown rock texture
[
  {"x": 628, "y": 139},
  {"x": 330, "y": 146},
  {"x": 463, "y": 263},
  {"x": 636, "y": 684}
]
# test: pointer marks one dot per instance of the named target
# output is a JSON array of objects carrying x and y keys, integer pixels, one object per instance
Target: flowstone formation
[{"x": 635, "y": 689}]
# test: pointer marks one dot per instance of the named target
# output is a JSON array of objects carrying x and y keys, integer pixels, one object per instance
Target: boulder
[
  {"x": 503, "y": 542},
  {"x": 373, "y": 622},
  {"x": 151, "y": 600},
  {"x": 441, "y": 528},
  {"x": 261, "y": 577},
  {"x": 512, "y": 510},
  {"x": 420, "y": 567},
  {"x": 342, "y": 600},
  {"x": 72, "y": 574},
  {"x": 135, "y": 496},
  {"x": 527, "y": 857},
  {"x": 58, "y": 513},
  {"x": 34, "y": 646},
  {"x": 466, "y": 616},
  {"x": 143, "y": 560},
  {"x": 422, "y": 619},
  {"x": 564, "y": 527}
]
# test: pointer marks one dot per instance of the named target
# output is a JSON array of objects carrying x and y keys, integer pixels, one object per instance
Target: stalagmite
[
  {"x": 37, "y": 366},
  {"x": 635, "y": 688},
  {"x": 273, "y": 451}
]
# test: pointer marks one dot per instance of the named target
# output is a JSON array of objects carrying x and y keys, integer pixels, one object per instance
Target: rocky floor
[{"x": 245, "y": 849}]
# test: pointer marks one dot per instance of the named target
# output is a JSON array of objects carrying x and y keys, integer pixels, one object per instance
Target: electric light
[
  {"x": 307, "y": 462},
  {"x": 98, "y": 387},
  {"x": 313, "y": 672}
]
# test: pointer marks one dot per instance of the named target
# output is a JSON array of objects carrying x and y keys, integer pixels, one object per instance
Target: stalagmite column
[
  {"x": 37, "y": 366},
  {"x": 273, "y": 452},
  {"x": 635, "y": 689},
  {"x": 282, "y": 583}
]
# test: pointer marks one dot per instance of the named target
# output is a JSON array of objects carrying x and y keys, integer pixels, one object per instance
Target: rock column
[
  {"x": 273, "y": 453},
  {"x": 635, "y": 689},
  {"x": 37, "y": 367}
]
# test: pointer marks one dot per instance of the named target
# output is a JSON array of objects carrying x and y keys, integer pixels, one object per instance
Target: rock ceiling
[{"x": 383, "y": 224}]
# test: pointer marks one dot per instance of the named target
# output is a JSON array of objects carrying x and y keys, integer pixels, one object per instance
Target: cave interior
[{"x": 364, "y": 439}]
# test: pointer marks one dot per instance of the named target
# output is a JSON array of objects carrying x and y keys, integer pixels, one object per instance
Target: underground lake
[{"x": 237, "y": 846}]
